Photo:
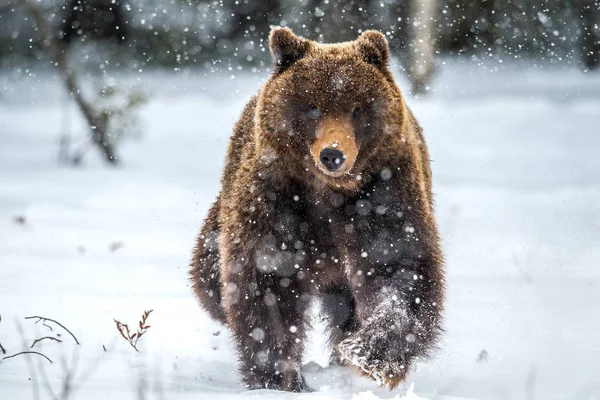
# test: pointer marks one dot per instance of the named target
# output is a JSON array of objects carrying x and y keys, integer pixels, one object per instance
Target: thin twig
[
  {"x": 48, "y": 326},
  {"x": 1, "y": 347},
  {"x": 56, "y": 322},
  {"x": 28, "y": 352},
  {"x": 45, "y": 337}
]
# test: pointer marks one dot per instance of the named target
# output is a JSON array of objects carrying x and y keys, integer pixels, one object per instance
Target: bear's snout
[
  {"x": 332, "y": 159},
  {"x": 334, "y": 149}
]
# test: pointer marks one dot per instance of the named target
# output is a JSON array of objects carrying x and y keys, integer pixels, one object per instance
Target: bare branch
[
  {"x": 45, "y": 337},
  {"x": 56, "y": 322},
  {"x": 47, "y": 326},
  {"x": 28, "y": 352}
]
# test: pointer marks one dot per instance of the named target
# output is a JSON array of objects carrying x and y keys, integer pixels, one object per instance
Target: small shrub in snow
[{"x": 133, "y": 339}]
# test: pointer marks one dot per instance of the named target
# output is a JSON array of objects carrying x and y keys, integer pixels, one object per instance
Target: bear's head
[{"x": 329, "y": 109}]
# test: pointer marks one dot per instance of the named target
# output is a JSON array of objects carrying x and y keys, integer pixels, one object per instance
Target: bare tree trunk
[
  {"x": 422, "y": 54},
  {"x": 96, "y": 122}
]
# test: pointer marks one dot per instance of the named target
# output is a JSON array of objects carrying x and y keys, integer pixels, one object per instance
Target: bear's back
[{"x": 240, "y": 145}]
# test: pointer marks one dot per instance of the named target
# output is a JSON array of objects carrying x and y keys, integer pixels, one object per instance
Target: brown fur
[{"x": 364, "y": 240}]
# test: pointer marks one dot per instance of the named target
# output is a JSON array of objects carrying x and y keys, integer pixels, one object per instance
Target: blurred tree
[
  {"x": 94, "y": 19},
  {"x": 251, "y": 19},
  {"x": 463, "y": 25},
  {"x": 398, "y": 24},
  {"x": 422, "y": 50},
  {"x": 589, "y": 41},
  {"x": 339, "y": 21},
  {"x": 233, "y": 32},
  {"x": 97, "y": 122}
]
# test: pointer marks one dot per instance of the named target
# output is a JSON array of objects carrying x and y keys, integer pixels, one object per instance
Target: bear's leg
[
  {"x": 339, "y": 309},
  {"x": 206, "y": 266},
  {"x": 268, "y": 321},
  {"x": 399, "y": 313}
]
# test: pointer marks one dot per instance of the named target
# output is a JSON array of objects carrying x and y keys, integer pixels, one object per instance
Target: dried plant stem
[
  {"x": 56, "y": 322},
  {"x": 28, "y": 352},
  {"x": 43, "y": 338},
  {"x": 133, "y": 339}
]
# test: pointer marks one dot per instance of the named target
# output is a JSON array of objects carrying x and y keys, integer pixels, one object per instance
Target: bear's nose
[{"x": 332, "y": 159}]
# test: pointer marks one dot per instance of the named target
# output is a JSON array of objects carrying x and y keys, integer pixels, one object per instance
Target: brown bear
[{"x": 326, "y": 194}]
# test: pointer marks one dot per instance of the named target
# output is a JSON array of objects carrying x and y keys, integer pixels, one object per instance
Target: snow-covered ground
[{"x": 517, "y": 182}]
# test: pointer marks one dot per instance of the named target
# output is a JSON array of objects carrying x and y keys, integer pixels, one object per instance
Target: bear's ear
[
  {"x": 286, "y": 48},
  {"x": 374, "y": 48}
]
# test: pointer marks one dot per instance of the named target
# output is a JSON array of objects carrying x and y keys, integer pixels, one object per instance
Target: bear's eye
[
  {"x": 314, "y": 113},
  {"x": 356, "y": 113}
]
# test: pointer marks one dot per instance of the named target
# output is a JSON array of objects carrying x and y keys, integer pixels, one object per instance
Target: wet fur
[{"x": 282, "y": 233}]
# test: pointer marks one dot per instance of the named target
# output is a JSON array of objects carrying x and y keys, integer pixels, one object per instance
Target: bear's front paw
[
  {"x": 354, "y": 352},
  {"x": 289, "y": 381}
]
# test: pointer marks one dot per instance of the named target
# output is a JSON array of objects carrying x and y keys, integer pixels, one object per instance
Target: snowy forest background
[
  {"x": 189, "y": 32},
  {"x": 113, "y": 131}
]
